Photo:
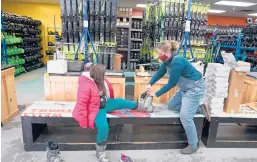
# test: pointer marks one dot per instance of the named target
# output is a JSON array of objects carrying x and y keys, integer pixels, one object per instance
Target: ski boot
[
  {"x": 125, "y": 158},
  {"x": 101, "y": 153},
  {"x": 52, "y": 151},
  {"x": 144, "y": 103}
]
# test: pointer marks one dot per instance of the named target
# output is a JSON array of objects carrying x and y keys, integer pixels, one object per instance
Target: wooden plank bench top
[{"x": 64, "y": 110}]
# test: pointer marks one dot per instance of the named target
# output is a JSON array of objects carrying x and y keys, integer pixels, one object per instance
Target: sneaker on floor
[
  {"x": 125, "y": 158},
  {"x": 189, "y": 150},
  {"x": 205, "y": 111},
  {"x": 52, "y": 151}
]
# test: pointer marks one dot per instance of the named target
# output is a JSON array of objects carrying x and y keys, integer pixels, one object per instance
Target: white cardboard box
[
  {"x": 217, "y": 80},
  {"x": 57, "y": 66},
  {"x": 217, "y": 89},
  {"x": 217, "y": 95}
]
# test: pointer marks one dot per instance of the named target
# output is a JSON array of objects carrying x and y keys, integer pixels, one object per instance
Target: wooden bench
[
  {"x": 50, "y": 120},
  {"x": 224, "y": 131}
]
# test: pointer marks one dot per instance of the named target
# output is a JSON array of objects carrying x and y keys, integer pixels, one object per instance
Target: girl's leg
[
  {"x": 102, "y": 126},
  {"x": 102, "y": 135},
  {"x": 119, "y": 103}
]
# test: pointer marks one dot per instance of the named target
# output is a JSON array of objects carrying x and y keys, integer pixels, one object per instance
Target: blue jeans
[{"x": 188, "y": 104}]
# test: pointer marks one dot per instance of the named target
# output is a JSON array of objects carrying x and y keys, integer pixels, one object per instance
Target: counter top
[
  {"x": 6, "y": 67},
  {"x": 252, "y": 74},
  {"x": 107, "y": 73},
  {"x": 149, "y": 74}
]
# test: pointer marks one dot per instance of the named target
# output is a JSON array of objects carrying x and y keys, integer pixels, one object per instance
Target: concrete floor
[{"x": 32, "y": 85}]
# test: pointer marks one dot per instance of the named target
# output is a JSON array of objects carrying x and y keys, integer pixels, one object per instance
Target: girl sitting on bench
[{"x": 95, "y": 98}]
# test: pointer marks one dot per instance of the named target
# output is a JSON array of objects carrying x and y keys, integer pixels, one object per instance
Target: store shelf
[
  {"x": 122, "y": 26},
  {"x": 123, "y": 16},
  {"x": 135, "y": 50},
  {"x": 136, "y": 39},
  {"x": 200, "y": 45},
  {"x": 249, "y": 48},
  {"x": 138, "y": 30},
  {"x": 52, "y": 46},
  {"x": 223, "y": 46},
  {"x": 122, "y": 49},
  {"x": 134, "y": 60},
  {"x": 137, "y": 17}
]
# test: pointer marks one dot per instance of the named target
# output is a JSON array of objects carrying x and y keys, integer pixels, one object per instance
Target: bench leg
[
  {"x": 30, "y": 132},
  {"x": 213, "y": 129},
  {"x": 27, "y": 133},
  {"x": 118, "y": 129},
  {"x": 199, "y": 127}
]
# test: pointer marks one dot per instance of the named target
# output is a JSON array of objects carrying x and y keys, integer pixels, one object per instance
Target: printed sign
[
  {"x": 50, "y": 109},
  {"x": 48, "y": 112}
]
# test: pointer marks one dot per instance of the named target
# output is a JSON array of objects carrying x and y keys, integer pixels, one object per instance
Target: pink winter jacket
[{"x": 88, "y": 101}]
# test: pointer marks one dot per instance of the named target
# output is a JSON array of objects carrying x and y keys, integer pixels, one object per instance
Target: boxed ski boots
[{"x": 75, "y": 66}]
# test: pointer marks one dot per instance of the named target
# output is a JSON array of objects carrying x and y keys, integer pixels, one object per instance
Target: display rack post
[
  {"x": 186, "y": 38},
  {"x": 86, "y": 36}
]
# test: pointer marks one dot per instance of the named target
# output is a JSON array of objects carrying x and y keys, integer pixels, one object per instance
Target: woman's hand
[
  {"x": 148, "y": 86},
  {"x": 151, "y": 92}
]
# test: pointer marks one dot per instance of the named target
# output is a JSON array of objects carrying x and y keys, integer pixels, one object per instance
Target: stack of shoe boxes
[{"x": 216, "y": 86}]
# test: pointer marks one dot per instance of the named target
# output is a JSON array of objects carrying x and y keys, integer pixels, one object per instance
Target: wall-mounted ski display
[
  {"x": 165, "y": 20},
  {"x": 101, "y": 25}
]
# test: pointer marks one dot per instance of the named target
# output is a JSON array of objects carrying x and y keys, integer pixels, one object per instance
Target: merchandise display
[
  {"x": 241, "y": 41},
  {"x": 101, "y": 25},
  {"x": 136, "y": 42},
  {"x": 23, "y": 42},
  {"x": 216, "y": 86},
  {"x": 250, "y": 36},
  {"x": 217, "y": 29},
  {"x": 165, "y": 20}
]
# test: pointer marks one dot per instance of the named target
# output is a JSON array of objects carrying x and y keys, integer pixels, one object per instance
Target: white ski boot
[
  {"x": 144, "y": 103},
  {"x": 101, "y": 153}
]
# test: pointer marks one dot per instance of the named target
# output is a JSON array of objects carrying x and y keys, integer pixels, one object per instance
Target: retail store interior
[{"x": 47, "y": 46}]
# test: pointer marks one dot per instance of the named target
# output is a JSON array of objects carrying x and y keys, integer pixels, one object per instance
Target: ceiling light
[
  {"x": 141, "y": 5},
  {"x": 253, "y": 14},
  {"x": 235, "y": 3},
  {"x": 216, "y": 11}
]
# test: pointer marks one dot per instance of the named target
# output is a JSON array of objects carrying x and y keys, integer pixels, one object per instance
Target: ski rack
[
  {"x": 85, "y": 36},
  {"x": 186, "y": 38},
  {"x": 189, "y": 16},
  {"x": 3, "y": 42},
  {"x": 237, "y": 47}
]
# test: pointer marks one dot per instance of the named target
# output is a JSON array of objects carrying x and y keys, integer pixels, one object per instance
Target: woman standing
[{"x": 191, "y": 89}]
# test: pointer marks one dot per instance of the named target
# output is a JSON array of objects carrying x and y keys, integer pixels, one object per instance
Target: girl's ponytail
[{"x": 97, "y": 73}]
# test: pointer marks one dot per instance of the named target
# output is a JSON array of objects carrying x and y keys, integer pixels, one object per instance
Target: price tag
[
  {"x": 236, "y": 93},
  {"x": 85, "y": 24},
  {"x": 46, "y": 75},
  {"x": 187, "y": 29}
]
